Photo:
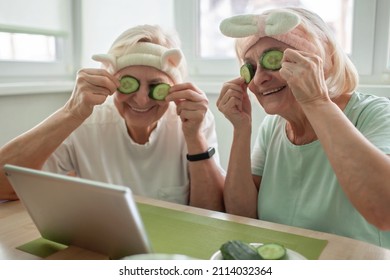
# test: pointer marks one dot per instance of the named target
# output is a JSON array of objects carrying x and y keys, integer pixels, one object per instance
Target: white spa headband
[
  {"x": 282, "y": 25},
  {"x": 147, "y": 54}
]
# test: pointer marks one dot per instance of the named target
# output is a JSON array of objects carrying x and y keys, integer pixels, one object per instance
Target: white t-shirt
[{"x": 101, "y": 149}]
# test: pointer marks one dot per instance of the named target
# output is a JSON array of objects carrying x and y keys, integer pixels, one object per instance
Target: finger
[
  {"x": 193, "y": 116},
  {"x": 229, "y": 88},
  {"x": 191, "y": 106},
  {"x": 230, "y": 93},
  {"x": 99, "y": 77},
  {"x": 186, "y": 91}
]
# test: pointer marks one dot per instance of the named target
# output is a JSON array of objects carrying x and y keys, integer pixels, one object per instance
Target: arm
[
  {"x": 33, "y": 148},
  {"x": 206, "y": 179},
  {"x": 240, "y": 192},
  {"x": 362, "y": 170}
]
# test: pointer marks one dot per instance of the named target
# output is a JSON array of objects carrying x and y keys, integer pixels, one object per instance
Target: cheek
[
  {"x": 163, "y": 107},
  {"x": 118, "y": 101}
]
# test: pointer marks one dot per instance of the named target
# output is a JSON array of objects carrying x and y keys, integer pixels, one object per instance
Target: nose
[
  {"x": 262, "y": 76},
  {"x": 141, "y": 96}
]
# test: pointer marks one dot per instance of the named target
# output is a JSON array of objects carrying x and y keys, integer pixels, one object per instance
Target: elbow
[
  {"x": 383, "y": 225},
  {"x": 381, "y": 221}
]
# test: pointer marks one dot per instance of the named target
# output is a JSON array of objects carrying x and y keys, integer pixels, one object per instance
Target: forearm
[
  {"x": 32, "y": 148},
  {"x": 206, "y": 180},
  {"x": 362, "y": 170},
  {"x": 240, "y": 192}
]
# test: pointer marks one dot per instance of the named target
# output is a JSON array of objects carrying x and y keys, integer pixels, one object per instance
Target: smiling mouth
[
  {"x": 273, "y": 90},
  {"x": 140, "y": 110}
]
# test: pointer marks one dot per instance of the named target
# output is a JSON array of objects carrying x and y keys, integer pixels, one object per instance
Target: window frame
[
  {"x": 15, "y": 71},
  {"x": 370, "y": 43}
]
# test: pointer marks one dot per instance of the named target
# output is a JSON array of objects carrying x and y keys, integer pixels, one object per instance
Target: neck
[
  {"x": 300, "y": 133},
  {"x": 140, "y": 135}
]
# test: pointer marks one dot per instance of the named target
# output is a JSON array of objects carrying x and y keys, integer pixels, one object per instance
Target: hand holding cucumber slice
[
  {"x": 271, "y": 60},
  {"x": 159, "y": 91}
]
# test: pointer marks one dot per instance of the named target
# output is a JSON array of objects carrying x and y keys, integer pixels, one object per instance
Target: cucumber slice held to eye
[
  {"x": 128, "y": 85},
  {"x": 247, "y": 72},
  {"x": 271, "y": 60},
  {"x": 159, "y": 91}
]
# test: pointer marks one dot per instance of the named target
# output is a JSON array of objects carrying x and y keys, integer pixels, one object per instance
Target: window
[
  {"x": 362, "y": 27},
  {"x": 35, "y": 40},
  {"x": 27, "y": 47}
]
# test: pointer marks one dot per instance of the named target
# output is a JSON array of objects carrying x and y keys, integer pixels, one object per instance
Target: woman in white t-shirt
[
  {"x": 135, "y": 122},
  {"x": 321, "y": 157}
]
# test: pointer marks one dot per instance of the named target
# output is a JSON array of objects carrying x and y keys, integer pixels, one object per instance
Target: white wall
[{"x": 19, "y": 113}]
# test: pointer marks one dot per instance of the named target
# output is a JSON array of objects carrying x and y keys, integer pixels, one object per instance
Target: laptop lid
[{"x": 92, "y": 215}]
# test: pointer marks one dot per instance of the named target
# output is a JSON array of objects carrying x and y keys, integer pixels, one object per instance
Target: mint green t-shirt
[{"x": 299, "y": 187}]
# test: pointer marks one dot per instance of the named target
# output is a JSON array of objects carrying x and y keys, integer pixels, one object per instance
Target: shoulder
[
  {"x": 364, "y": 108},
  {"x": 271, "y": 123}
]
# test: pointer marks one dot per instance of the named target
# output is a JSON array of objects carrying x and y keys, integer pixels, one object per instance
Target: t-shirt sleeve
[
  {"x": 374, "y": 123},
  {"x": 60, "y": 161},
  {"x": 259, "y": 150}
]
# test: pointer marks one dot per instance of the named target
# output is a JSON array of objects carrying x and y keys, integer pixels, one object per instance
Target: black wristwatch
[{"x": 206, "y": 155}]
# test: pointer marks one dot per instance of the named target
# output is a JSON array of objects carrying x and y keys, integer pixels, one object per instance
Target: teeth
[
  {"x": 272, "y": 91},
  {"x": 140, "y": 110}
]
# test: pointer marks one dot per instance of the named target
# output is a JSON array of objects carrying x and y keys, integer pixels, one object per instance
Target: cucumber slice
[
  {"x": 271, "y": 60},
  {"x": 159, "y": 91},
  {"x": 271, "y": 251},
  {"x": 128, "y": 85},
  {"x": 247, "y": 72}
]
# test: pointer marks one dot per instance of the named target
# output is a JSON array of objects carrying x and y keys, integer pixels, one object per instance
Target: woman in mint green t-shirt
[{"x": 321, "y": 156}]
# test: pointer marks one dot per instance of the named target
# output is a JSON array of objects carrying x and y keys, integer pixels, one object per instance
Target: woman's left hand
[
  {"x": 304, "y": 75},
  {"x": 191, "y": 105}
]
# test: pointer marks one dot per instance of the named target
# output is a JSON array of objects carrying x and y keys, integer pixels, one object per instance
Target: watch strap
[{"x": 206, "y": 155}]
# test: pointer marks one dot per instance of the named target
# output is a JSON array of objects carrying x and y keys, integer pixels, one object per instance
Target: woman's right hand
[
  {"x": 234, "y": 102},
  {"x": 93, "y": 86}
]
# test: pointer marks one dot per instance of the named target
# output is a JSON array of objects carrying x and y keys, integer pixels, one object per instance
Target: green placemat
[
  {"x": 41, "y": 247},
  {"x": 176, "y": 232}
]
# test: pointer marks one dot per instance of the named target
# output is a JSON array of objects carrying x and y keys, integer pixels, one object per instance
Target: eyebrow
[
  {"x": 249, "y": 60},
  {"x": 157, "y": 81}
]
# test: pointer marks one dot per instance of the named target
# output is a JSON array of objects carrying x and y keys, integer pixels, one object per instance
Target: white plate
[
  {"x": 158, "y": 257},
  {"x": 291, "y": 255}
]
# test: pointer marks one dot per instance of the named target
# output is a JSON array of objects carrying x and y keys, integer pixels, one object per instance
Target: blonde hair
[
  {"x": 147, "y": 36},
  {"x": 340, "y": 73}
]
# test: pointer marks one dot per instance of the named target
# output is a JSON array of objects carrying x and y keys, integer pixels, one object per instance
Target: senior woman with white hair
[
  {"x": 135, "y": 122},
  {"x": 321, "y": 157}
]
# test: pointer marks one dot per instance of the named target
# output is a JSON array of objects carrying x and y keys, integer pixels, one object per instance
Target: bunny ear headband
[
  {"x": 147, "y": 54},
  {"x": 281, "y": 25}
]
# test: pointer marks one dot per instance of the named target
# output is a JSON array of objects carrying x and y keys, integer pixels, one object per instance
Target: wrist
[{"x": 201, "y": 156}]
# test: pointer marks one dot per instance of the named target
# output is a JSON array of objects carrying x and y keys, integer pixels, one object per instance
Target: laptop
[{"x": 96, "y": 216}]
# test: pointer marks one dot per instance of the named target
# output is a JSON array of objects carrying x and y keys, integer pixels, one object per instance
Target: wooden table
[{"x": 17, "y": 228}]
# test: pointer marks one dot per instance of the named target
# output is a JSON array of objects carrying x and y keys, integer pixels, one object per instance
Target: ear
[
  {"x": 281, "y": 22},
  {"x": 239, "y": 26},
  {"x": 171, "y": 58},
  {"x": 108, "y": 60}
]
